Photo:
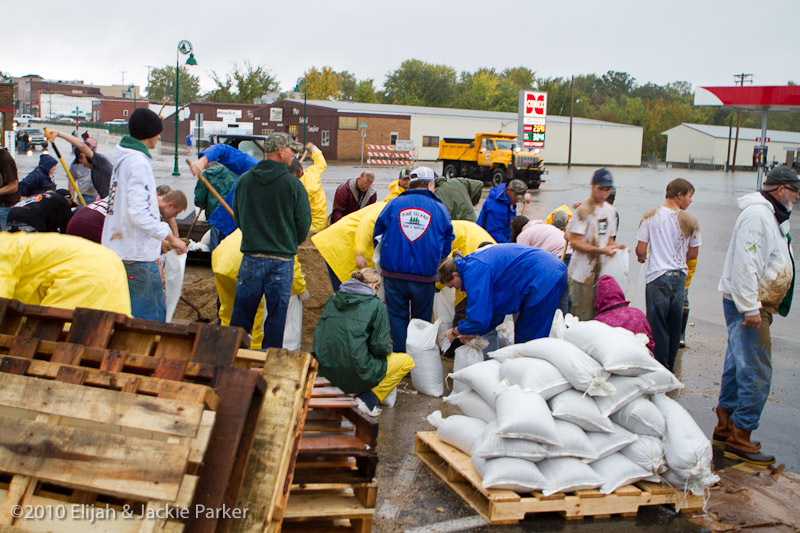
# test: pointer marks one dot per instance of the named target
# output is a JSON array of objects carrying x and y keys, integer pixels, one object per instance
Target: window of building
[
  {"x": 348, "y": 123},
  {"x": 266, "y": 132},
  {"x": 124, "y": 112},
  {"x": 430, "y": 141},
  {"x": 393, "y": 138},
  {"x": 293, "y": 130},
  {"x": 326, "y": 138}
]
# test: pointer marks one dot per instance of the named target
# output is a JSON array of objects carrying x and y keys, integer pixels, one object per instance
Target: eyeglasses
[{"x": 792, "y": 189}]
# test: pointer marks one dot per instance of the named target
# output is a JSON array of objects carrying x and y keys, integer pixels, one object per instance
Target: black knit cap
[{"x": 144, "y": 124}]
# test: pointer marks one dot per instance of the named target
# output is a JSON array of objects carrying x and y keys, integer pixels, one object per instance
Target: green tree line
[{"x": 613, "y": 96}]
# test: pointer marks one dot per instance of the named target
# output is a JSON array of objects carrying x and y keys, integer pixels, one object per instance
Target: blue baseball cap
[{"x": 602, "y": 177}]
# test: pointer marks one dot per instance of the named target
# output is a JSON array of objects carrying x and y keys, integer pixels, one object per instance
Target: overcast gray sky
[{"x": 702, "y": 42}]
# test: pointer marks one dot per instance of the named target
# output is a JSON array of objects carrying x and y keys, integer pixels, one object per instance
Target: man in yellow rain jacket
[
  {"x": 344, "y": 241},
  {"x": 312, "y": 181},
  {"x": 400, "y": 185},
  {"x": 62, "y": 271},
  {"x": 225, "y": 262}
]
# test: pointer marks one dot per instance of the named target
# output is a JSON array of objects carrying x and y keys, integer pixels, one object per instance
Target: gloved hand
[{"x": 305, "y": 296}]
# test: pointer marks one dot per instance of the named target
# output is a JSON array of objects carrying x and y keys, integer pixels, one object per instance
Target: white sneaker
[{"x": 374, "y": 412}]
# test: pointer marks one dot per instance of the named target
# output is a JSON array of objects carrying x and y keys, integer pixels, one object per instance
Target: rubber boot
[
  {"x": 684, "y": 321},
  {"x": 722, "y": 431},
  {"x": 739, "y": 447}
]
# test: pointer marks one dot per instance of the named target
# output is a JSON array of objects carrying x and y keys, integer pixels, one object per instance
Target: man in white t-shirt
[
  {"x": 674, "y": 238},
  {"x": 591, "y": 232}
]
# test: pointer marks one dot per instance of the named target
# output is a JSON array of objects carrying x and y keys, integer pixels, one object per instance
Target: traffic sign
[{"x": 362, "y": 125}]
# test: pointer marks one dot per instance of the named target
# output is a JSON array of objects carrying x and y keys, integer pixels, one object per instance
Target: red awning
[{"x": 775, "y": 98}]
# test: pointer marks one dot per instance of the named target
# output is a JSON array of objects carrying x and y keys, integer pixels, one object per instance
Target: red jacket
[
  {"x": 347, "y": 197},
  {"x": 612, "y": 309}
]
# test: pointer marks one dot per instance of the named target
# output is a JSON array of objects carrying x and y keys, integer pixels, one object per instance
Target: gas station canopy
[{"x": 771, "y": 98}]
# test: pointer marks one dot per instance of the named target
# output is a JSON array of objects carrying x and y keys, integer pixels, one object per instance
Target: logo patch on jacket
[{"x": 414, "y": 222}]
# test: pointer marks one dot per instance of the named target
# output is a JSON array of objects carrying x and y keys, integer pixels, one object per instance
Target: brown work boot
[
  {"x": 739, "y": 447},
  {"x": 722, "y": 431}
]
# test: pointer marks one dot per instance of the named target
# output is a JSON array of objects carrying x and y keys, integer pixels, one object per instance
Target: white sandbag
[
  {"x": 174, "y": 267},
  {"x": 567, "y": 474},
  {"x": 574, "y": 443},
  {"x": 444, "y": 311},
  {"x": 468, "y": 354},
  {"x": 293, "y": 331},
  {"x": 559, "y": 327},
  {"x": 505, "y": 332},
  {"x": 581, "y": 410},
  {"x": 628, "y": 389},
  {"x": 509, "y": 473},
  {"x": 534, "y": 375},
  {"x": 492, "y": 446},
  {"x": 583, "y": 372},
  {"x": 390, "y": 399},
  {"x": 525, "y": 415},
  {"x": 661, "y": 381},
  {"x": 617, "y": 471},
  {"x": 641, "y": 417},
  {"x": 686, "y": 448},
  {"x": 427, "y": 375},
  {"x": 616, "y": 349},
  {"x": 376, "y": 258},
  {"x": 459, "y": 431},
  {"x": 647, "y": 452},
  {"x": 483, "y": 378},
  {"x": 607, "y": 443},
  {"x": 471, "y": 404},
  {"x": 617, "y": 266}
]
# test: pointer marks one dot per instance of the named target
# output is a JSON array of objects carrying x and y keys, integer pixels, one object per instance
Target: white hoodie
[
  {"x": 133, "y": 227},
  {"x": 758, "y": 266}
]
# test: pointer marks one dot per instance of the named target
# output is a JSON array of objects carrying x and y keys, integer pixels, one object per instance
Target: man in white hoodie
[
  {"x": 133, "y": 227},
  {"x": 757, "y": 281}
]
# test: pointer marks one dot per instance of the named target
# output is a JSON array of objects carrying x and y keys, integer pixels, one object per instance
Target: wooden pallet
[
  {"x": 85, "y": 443},
  {"x": 331, "y": 507},
  {"x": 507, "y": 507},
  {"x": 268, "y": 477}
]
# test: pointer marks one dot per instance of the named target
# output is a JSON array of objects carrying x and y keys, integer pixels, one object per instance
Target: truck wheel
[
  {"x": 450, "y": 171},
  {"x": 498, "y": 176},
  {"x": 534, "y": 185}
]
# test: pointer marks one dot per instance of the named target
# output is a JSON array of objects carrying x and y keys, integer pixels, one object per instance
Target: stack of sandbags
[{"x": 585, "y": 411}]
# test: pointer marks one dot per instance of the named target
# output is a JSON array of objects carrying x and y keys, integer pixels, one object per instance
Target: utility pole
[
  {"x": 741, "y": 78},
  {"x": 571, "y": 103},
  {"x": 123, "y": 76}
]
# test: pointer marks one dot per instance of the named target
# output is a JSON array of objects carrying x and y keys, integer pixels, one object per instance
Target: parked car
[
  {"x": 24, "y": 118},
  {"x": 35, "y": 137},
  {"x": 249, "y": 144},
  {"x": 116, "y": 122}
]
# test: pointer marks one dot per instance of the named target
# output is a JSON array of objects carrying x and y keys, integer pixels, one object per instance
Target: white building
[
  {"x": 594, "y": 142},
  {"x": 702, "y": 144}
]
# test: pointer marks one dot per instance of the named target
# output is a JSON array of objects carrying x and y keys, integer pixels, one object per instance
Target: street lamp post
[{"x": 184, "y": 47}]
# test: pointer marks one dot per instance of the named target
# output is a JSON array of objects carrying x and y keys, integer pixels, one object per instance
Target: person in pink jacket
[{"x": 612, "y": 309}]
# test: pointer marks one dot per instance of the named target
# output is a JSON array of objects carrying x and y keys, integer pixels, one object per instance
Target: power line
[{"x": 741, "y": 78}]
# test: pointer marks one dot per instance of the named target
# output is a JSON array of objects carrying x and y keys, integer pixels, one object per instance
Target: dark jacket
[
  {"x": 271, "y": 207},
  {"x": 8, "y": 174},
  {"x": 496, "y": 214},
  {"x": 612, "y": 309},
  {"x": 39, "y": 180},
  {"x": 459, "y": 196},
  {"x": 416, "y": 235},
  {"x": 221, "y": 179},
  {"x": 351, "y": 340},
  {"x": 349, "y": 199},
  {"x": 46, "y": 212}
]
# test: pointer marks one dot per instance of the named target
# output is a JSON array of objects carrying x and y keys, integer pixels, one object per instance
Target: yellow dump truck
[{"x": 492, "y": 157}]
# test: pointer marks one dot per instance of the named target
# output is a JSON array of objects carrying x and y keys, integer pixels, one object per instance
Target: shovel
[
  {"x": 69, "y": 174},
  {"x": 211, "y": 188}
]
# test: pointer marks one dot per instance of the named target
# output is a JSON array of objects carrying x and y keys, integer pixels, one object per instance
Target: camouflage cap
[
  {"x": 518, "y": 187},
  {"x": 276, "y": 141}
]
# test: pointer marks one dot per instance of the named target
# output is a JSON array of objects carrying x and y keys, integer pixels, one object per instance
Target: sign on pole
[{"x": 532, "y": 118}]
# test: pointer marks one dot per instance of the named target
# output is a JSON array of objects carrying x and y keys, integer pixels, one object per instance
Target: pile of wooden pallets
[
  {"x": 221, "y": 420},
  {"x": 508, "y": 507},
  {"x": 334, "y": 485}
]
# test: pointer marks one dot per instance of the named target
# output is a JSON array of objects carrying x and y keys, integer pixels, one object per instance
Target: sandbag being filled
[{"x": 427, "y": 375}]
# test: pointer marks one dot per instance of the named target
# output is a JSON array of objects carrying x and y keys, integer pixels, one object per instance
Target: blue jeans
[
  {"x": 3, "y": 217},
  {"x": 335, "y": 283},
  {"x": 747, "y": 373},
  {"x": 399, "y": 295},
  {"x": 664, "y": 298},
  {"x": 271, "y": 278},
  {"x": 88, "y": 198},
  {"x": 214, "y": 238},
  {"x": 147, "y": 291}
]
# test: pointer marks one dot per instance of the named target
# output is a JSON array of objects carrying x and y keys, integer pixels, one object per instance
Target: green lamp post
[{"x": 184, "y": 47}]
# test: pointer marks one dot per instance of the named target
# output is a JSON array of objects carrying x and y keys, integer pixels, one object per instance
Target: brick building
[
  {"x": 6, "y": 108},
  {"x": 29, "y": 91},
  {"x": 107, "y": 109}
]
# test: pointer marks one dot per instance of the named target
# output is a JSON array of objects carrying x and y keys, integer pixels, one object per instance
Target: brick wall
[
  {"x": 379, "y": 130},
  {"x": 7, "y": 109}
]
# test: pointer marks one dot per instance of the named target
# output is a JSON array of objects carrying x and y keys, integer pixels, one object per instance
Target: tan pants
[{"x": 582, "y": 299}]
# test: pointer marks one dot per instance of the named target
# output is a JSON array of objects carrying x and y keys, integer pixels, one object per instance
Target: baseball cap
[
  {"x": 603, "y": 178},
  {"x": 422, "y": 174},
  {"x": 276, "y": 141},
  {"x": 518, "y": 187},
  {"x": 783, "y": 175}
]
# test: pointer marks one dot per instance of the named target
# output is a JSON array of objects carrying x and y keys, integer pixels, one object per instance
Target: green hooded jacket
[
  {"x": 351, "y": 340},
  {"x": 221, "y": 179},
  {"x": 459, "y": 196}
]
